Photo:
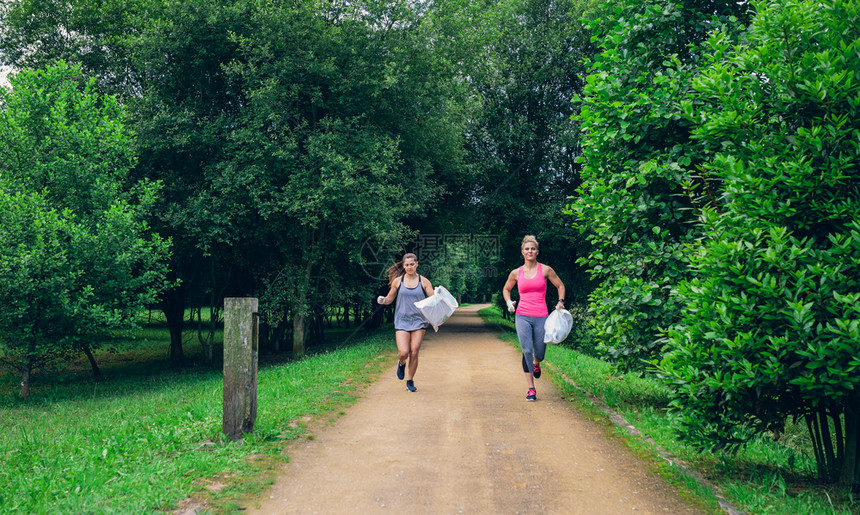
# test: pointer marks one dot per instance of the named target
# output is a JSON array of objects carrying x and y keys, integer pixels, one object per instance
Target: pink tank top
[{"x": 532, "y": 294}]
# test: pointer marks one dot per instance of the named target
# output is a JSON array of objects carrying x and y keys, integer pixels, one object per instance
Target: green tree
[
  {"x": 521, "y": 62},
  {"x": 183, "y": 105},
  {"x": 773, "y": 325},
  {"x": 345, "y": 135},
  {"x": 164, "y": 59},
  {"x": 639, "y": 164},
  {"x": 200, "y": 80},
  {"x": 75, "y": 261}
]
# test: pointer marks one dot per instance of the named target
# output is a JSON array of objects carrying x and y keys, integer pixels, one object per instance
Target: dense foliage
[
  {"x": 76, "y": 259},
  {"x": 720, "y": 193},
  {"x": 291, "y": 137},
  {"x": 638, "y": 155},
  {"x": 522, "y": 147},
  {"x": 349, "y": 128},
  {"x": 771, "y": 327}
]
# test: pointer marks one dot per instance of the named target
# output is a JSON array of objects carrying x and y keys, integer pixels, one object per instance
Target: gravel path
[{"x": 466, "y": 442}]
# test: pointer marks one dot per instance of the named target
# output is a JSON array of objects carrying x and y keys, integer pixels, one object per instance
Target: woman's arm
[
  {"x": 392, "y": 293},
  {"x": 556, "y": 281},
  {"x": 428, "y": 287},
  {"x": 506, "y": 290}
]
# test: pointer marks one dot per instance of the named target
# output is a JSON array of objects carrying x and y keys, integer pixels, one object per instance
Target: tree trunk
[
  {"x": 173, "y": 307},
  {"x": 358, "y": 317},
  {"x": 206, "y": 342},
  {"x": 299, "y": 316},
  {"x": 215, "y": 302},
  {"x": 298, "y": 335},
  {"x": 318, "y": 328},
  {"x": 817, "y": 446},
  {"x": 829, "y": 455},
  {"x": 850, "y": 473},
  {"x": 97, "y": 373},
  {"x": 25, "y": 379}
]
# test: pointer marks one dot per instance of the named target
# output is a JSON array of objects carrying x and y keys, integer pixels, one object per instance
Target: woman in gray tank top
[{"x": 407, "y": 287}]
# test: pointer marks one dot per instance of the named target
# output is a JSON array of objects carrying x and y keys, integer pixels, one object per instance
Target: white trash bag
[
  {"x": 438, "y": 308},
  {"x": 557, "y": 326}
]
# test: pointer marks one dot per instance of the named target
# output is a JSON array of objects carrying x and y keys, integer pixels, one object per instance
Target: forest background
[{"x": 690, "y": 169}]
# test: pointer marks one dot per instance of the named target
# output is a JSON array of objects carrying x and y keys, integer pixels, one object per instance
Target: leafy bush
[
  {"x": 637, "y": 157},
  {"x": 772, "y": 328},
  {"x": 580, "y": 337},
  {"x": 76, "y": 257}
]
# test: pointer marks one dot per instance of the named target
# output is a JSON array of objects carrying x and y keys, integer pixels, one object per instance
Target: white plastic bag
[
  {"x": 557, "y": 326},
  {"x": 437, "y": 308}
]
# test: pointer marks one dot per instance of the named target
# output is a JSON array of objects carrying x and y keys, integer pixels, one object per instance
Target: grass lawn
[{"x": 150, "y": 435}]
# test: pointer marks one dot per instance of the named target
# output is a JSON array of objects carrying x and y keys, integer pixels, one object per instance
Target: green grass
[
  {"x": 767, "y": 476},
  {"x": 150, "y": 435}
]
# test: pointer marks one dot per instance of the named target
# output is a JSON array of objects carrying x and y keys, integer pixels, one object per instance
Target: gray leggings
[{"x": 530, "y": 332}]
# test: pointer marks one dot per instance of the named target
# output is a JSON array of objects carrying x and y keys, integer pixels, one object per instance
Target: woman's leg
[
  {"x": 403, "y": 339},
  {"x": 538, "y": 333},
  {"x": 525, "y": 333},
  {"x": 415, "y": 340}
]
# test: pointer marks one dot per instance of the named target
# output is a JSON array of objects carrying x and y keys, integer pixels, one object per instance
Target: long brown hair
[{"x": 397, "y": 269}]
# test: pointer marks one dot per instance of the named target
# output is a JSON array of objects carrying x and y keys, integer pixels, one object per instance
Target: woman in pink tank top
[{"x": 530, "y": 280}]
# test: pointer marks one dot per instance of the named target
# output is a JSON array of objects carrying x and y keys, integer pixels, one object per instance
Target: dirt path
[{"x": 466, "y": 442}]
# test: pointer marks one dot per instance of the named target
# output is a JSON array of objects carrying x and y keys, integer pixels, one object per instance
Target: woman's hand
[
  {"x": 511, "y": 307},
  {"x": 380, "y": 300}
]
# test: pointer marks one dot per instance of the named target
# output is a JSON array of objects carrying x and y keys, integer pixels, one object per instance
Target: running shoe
[
  {"x": 532, "y": 395},
  {"x": 411, "y": 386},
  {"x": 537, "y": 370},
  {"x": 401, "y": 368}
]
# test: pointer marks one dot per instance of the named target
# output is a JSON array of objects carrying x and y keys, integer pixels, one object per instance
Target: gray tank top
[{"x": 406, "y": 315}]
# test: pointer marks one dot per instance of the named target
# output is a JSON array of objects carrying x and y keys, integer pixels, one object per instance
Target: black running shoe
[
  {"x": 411, "y": 386},
  {"x": 536, "y": 370},
  {"x": 532, "y": 395},
  {"x": 401, "y": 368}
]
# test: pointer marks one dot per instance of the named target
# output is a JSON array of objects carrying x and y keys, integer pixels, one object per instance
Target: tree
[
  {"x": 772, "y": 330},
  {"x": 639, "y": 163},
  {"x": 183, "y": 105},
  {"x": 75, "y": 260},
  {"x": 342, "y": 136},
  {"x": 197, "y": 76},
  {"x": 521, "y": 62},
  {"x": 164, "y": 59}
]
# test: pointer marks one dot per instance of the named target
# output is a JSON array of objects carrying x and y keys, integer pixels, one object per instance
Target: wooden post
[{"x": 240, "y": 366}]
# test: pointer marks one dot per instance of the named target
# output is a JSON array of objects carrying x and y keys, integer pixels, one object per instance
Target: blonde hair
[
  {"x": 528, "y": 238},
  {"x": 397, "y": 269}
]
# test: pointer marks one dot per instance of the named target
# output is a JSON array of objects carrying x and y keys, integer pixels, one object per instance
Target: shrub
[{"x": 772, "y": 328}]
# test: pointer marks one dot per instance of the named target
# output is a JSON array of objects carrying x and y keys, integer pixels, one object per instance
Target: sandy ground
[{"x": 466, "y": 442}]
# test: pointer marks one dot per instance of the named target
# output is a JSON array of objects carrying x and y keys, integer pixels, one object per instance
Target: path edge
[{"x": 619, "y": 421}]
